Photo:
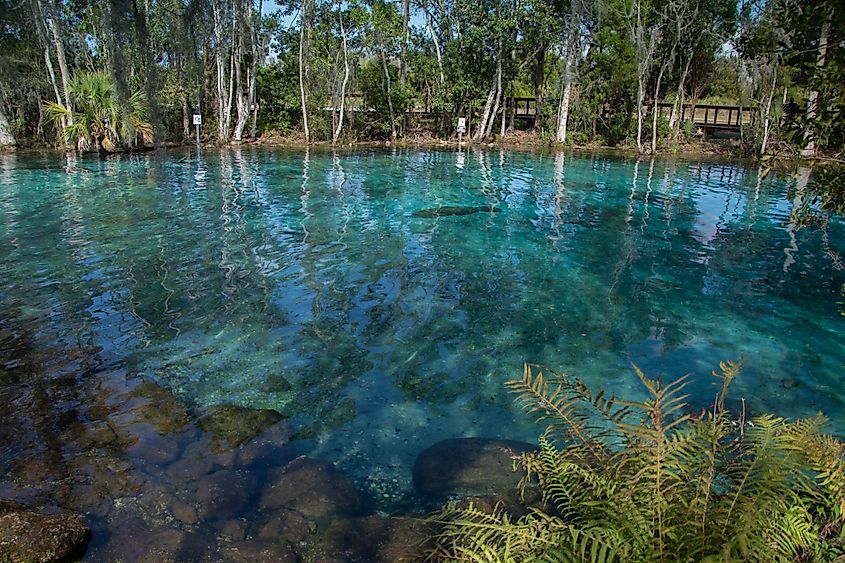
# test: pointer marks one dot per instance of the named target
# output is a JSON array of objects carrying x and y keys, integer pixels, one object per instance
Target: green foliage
[
  {"x": 278, "y": 97},
  {"x": 371, "y": 80},
  {"x": 651, "y": 481},
  {"x": 96, "y": 117}
]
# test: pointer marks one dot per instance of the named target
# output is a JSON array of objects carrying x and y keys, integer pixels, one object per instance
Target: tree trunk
[
  {"x": 656, "y": 110},
  {"x": 640, "y": 113},
  {"x": 220, "y": 65},
  {"x": 436, "y": 43},
  {"x": 403, "y": 53},
  {"x": 485, "y": 114},
  {"x": 304, "y": 37},
  {"x": 767, "y": 115},
  {"x": 186, "y": 121},
  {"x": 813, "y": 99},
  {"x": 53, "y": 24},
  {"x": 539, "y": 79},
  {"x": 7, "y": 139},
  {"x": 150, "y": 75},
  {"x": 339, "y": 128},
  {"x": 678, "y": 106},
  {"x": 491, "y": 105},
  {"x": 234, "y": 56},
  {"x": 257, "y": 49},
  {"x": 498, "y": 93},
  {"x": 242, "y": 103},
  {"x": 389, "y": 92},
  {"x": 566, "y": 89}
]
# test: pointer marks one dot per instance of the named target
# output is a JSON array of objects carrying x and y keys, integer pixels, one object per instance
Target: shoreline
[{"x": 709, "y": 150}]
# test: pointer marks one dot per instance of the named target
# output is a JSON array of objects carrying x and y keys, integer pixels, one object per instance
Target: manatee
[{"x": 455, "y": 210}]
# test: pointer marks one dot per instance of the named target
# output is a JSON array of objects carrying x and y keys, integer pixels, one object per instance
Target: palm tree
[{"x": 97, "y": 117}]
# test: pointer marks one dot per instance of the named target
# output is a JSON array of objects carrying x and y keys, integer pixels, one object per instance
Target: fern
[{"x": 648, "y": 481}]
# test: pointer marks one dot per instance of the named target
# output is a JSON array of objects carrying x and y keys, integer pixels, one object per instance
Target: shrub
[{"x": 648, "y": 481}]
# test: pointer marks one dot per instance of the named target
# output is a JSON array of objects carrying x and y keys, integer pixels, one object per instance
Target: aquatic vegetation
[
  {"x": 650, "y": 481},
  {"x": 450, "y": 210}
]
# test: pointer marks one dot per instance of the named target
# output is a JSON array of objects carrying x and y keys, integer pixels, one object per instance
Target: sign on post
[
  {"x": 462, "y": 128},
  {"x": 197, "y": 123}
]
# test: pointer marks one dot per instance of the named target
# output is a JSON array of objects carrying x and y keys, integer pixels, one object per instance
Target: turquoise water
[{"x": 303, "y": 282}]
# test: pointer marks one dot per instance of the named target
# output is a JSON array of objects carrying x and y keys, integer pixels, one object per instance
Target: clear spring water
[{"x": 302, "y": 282}]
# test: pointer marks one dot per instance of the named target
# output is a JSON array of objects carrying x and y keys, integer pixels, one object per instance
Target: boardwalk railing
[{"x": 710, "y": 118}]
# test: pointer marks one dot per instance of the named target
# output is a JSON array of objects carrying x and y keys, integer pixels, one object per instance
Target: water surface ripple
[{"x": 304, "y": 283}]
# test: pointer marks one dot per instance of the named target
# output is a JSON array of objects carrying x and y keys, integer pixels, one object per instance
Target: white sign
[
  {"x": 462, "y": 124},
  {"x": 197, "y": 119}
]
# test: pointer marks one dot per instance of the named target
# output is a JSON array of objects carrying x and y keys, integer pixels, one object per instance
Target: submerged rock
[
  {"x": 258, "y": 552},
  {"x": 232, "y": 425},
  {"x": 223, "y": 494},
  {"x": 286, "y": 524},
  {"x": 313, "y": 487},
  {"x": 469, "y": 466},
  {"x": 152, "y": 404},
  {"x": 27, "y": 535},
  {"x": 373, "y": 539},
  {"x": 133, "y": 538},
  {"x": 448, "y": 210}
]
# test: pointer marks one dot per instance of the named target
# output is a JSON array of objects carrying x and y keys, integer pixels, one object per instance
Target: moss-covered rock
[
  {"x": 373, "y": 539},
  {"x": 474, "y": 466},
  {"x": 232, "y": 425},
  {"x": 223, "y": 494},
  {"x": 27, "y": 536},
  {"x": 313, "y": 487},
  {"x": 258, "y": 552}
]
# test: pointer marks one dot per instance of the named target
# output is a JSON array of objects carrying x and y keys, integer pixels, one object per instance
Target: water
[{"x": 302, "y": 282}]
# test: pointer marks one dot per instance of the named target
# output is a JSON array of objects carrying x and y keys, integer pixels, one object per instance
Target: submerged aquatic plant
[{"x": 648, "y": 481}]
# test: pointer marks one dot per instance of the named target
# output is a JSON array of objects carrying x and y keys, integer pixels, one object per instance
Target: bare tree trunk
[
  {"x": 7, "y": 139},
  {"x": 498, "y": 93},
  {"x": 41, "y": 28},
  {"x": 52, "y": 74},
  {"x": 436, "y": 43},
  {"x": 186, "y": 122},
  {"x": 337, "y": 131},
  {"x": 242, "y": 103},
  {"x": 389, "y": 92},
  {"x": 640, "y": 113},
  {"x": 813, "y": 99},
  {"x": 304, "y": 37},
  {"x": 503, "y": 125},
  {"x": 257, "y": 49},
  {"x": 656, "y": 110},
  {"x": 53, "y": 24},
  {"x": 644, "y": 55},
  {"x": 678, "y": 106},
  {"x": 485, "y": 114},
  {"x": 566, "y": 90},
  {"x": 767, "y": 115},
  {"x": 403, "y": 53},
  {"x": 491, "y": 106},
  {"x": 220, "y": 65},
  {"x": 539, "y": 75},
  {"x": 234, "y": 56}
]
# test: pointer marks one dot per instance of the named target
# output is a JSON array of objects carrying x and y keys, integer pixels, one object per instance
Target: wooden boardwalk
[{"x": 707, "y": 117}]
